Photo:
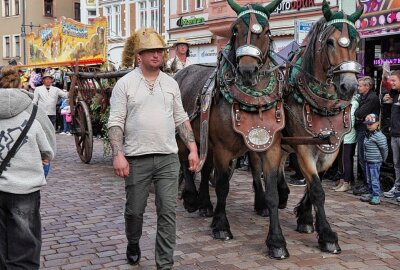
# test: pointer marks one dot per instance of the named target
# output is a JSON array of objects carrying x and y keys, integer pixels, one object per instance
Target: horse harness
[
  {"x": 256, "y": 117},
  {"x": 326, "y": 120}
]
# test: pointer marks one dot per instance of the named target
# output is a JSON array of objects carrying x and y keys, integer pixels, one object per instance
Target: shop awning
[
  {"x": 282, "y": 32},
  {"x": 197, "y": 40}
]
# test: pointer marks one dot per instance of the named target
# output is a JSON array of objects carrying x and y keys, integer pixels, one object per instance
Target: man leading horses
[{"x": 145, "y": 110}]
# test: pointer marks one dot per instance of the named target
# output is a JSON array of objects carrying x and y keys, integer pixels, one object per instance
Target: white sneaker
[
  {"x": 63, "y": 133},
  {"x": 69, "y": 134},
  {"x": 394, "y": 192}
]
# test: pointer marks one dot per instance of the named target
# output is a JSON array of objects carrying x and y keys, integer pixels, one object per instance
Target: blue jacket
[{"x": 375, "y": 147}]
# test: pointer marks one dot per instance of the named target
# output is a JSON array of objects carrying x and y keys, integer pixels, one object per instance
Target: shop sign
[
  {"x": 392, "y": 61},
  {"x": 294, "y": 5},
  {"x": 62, "y": 42},
  {"x": 203, "y": 54},
  {"x": 90, "y": 2},
  {"x": 190, "y": 21}
]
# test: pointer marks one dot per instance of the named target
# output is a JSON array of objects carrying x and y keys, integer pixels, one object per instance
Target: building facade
[
  {"x": 19, "y": 17},
  {"x": 206, "y": 24},
  {"x": 125, "y": 17}
]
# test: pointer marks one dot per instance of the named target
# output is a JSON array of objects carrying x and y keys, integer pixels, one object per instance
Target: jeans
[
  {"x": 20, "y": 231},
  {"x": 66, "y": 124},
  {"x": 395, "y": 143},
  {"x": 348, "y": 162},
  {"x": 163, "y": 171},
  {"x": 360, "y": 154},
  {"x": 372, "y": 174}
]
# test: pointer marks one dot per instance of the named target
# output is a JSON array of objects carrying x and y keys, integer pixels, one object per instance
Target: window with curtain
[
  {"x": 7, "y": 49},
  {"x": 149, "y": 14},
  {"x": 17, "y": 46},
  {"x": 77, "y": 11},
  {"x": 6, "y": 8},
  {"x": 117, "y": 20},
  {"x": 154, "y": 16},
  {"x": 48, "y": 8},
  {"x": 185, "y": 5},
  {"x": 16, "y": 4},
  {"x": 199, "y": 4},
  {"x": 143, "y": 14}
]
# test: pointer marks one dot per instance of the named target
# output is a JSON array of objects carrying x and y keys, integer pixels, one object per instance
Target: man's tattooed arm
[
  {"x": 116, "y": 137},
  {"x": 186, "y": 133}
]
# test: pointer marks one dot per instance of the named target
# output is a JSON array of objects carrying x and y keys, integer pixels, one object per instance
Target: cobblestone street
[{"x": 83, "y": 226}]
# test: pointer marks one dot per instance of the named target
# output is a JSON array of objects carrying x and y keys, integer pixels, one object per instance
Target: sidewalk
[{"x": 83, "y": 225}]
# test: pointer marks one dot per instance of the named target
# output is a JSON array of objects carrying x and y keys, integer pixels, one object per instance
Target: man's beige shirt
[{"x": 148, "y": 118}]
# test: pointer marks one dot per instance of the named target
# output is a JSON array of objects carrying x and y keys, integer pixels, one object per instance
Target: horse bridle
[
  {"x": 344, "y": 42},
  {"x": 254, "y": 28}
]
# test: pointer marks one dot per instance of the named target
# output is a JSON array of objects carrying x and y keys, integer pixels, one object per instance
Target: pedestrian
[
  {"x": 349, "y": 149},
  {"x": 46, "y": 96},
  {"x": 369, "y": 103},
  {"x": 393, "y": 97},
  {"x": 145, "y": 110},
  {"x": 21, "y": 174},
  {"x": 375, "y": 152},
  {"x": 66, "y": 114},
  {"x": 181, "y": 59}
]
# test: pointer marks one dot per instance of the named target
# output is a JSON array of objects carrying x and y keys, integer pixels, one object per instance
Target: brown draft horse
[
  {"x": 322, "y": 80},
  {"x": 247, "y": 64}
]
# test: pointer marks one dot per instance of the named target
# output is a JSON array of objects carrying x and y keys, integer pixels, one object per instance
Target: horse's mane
[
  {"x": 323, "y": 32},
  {"x": 308, "y": 63}
]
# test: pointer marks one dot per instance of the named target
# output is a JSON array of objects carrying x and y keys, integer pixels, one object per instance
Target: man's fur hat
[{"x": 143, "y": 39}]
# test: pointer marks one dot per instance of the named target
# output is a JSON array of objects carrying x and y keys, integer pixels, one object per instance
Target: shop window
[
  {"x": 199, "y": 4},
  {"x": 17, "y": 46},
  {"x": 77, "y": 11},
  {"x": 6, "y": 47},
  {"x": 185, "y": 5},
  {"x": 48, "y": 8}
]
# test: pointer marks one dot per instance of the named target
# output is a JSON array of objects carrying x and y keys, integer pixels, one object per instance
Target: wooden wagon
[{"x": 87, "y": 81}]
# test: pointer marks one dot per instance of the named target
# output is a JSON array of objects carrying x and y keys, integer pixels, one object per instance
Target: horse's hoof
[
  {"x": 305, "y": 228},
  {"x": 222, "y": 234},
  {"x": 282, "y": 205},
  {"x": 190, "y": 208},
  {"x": 263, "y": 212},
  {"x": 278, "y": 253},
  {"x": 330, "y": 247},
  {"x": 206, "y": 212}
]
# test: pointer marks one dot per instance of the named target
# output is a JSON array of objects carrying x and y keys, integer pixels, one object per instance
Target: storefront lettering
[
  {"x": 208, "y": 53},
  {"x": 189, "y": 21},
  {"x": 392, "y": 61},
  {"x": 294, "y": 5}
]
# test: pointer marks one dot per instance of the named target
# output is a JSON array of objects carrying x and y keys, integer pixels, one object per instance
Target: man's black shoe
[
  {"x": 359, "y": 190},
  {"x": 133, "y": 254}
]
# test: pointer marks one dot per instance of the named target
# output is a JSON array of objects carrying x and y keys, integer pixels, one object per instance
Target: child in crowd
[
  {"x": 375, "y": 152},
  {"x": 66, "y": 113}
]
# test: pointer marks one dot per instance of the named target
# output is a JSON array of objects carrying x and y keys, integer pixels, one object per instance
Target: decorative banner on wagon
[{"x": 66, "y": 40}]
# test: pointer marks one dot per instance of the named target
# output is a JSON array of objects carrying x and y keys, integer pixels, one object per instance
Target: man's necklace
[{"x": 150, "y": 85}]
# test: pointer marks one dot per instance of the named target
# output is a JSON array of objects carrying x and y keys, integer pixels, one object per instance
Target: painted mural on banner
[
  {"x": 62, "y": 42},
  {"x": 379, "y": 17}
]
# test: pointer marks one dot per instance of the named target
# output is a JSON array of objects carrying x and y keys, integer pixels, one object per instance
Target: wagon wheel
[{"x": 83, "y": 131}]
